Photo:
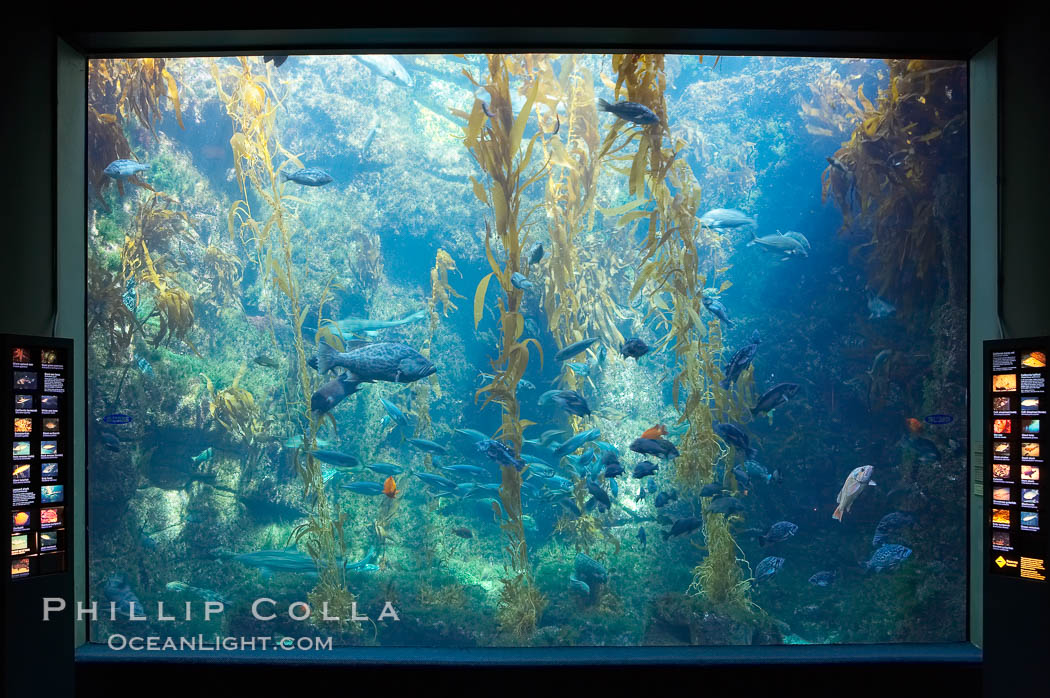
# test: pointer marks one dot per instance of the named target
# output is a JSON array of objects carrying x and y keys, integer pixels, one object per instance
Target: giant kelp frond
[
  {"x": 106, "y": 311},
  {"x": 235, "y": 409},
  {"x": 884, "y": 180},
  {"x": 441, "y": 292},
  {"x": 833, "y": 109}
]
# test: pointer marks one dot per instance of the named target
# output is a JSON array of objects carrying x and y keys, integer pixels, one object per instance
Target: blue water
[{"x": 167, "y": 529}]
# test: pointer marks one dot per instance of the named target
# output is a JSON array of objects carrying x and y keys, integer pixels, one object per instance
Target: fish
[
  {"x": 654, "y": 431},
  {"x": 888, "y": 524},
  {"x": 277, "y": 61},
  {"x": 548, "y": 436},
  {"x": 742, "y": 477},
  {"x": 600, "y": 495},
  {"x": 710, "y": 489},
  {"x": 569, "y": 400},
  {"x": 21, "y": 469},
  {"x": 522, "y": 384},
  {"x": 735, "y": 436},
  {"x": 630, "y": 111},
  {"x": 655, "y": 447},
  {"x": 122, "y": 169},
  {"x": 878, "y": 307},
  {"x": 371, "y": 489},
  {"x": 773, "y": 398},
  {"x": 390, "y": 487},
  {"x": 383, "y": 361},
  {"x": 473, "y": 434},
  {"x": 634, "y": 348},
  {"x": 725, "y": 505},
  {"x": 204, "y": 456},
  {"x": 267, "y": 361},
  {"x": 118, "y": 592},
  {"x": 642, "y": 536},
  {"x": 1030, "y": 402},
  {"x": 879, "y": 361},
  {"x": 352, "y": 325},
  {"x": 768, "y": 567},
  {"x": 270, "y": 561},
  {"x": 914, "y": 425},
  {"x": 665, "y": 498},
  {"x": 823, "y": 578},
  {"x": 802, "y": 240},
  {"x": 613, "y": 470},
  {"x": 756, "y": 469},
  {"x": 925, "y": 450},
  {"x": 500, "y": 453},
  {"x": 467, "y": 469},
  {"x": 578, "y": 586},
  {"x": 718, "y": 309},
  {"x": 399, "y": 417},
  {"x": 308, "y": 176},
  {"x": 519, "y": 280},
  {"x": 856, "y": 482},
  {"x": 580, "y": 369},
  {"x": 387, "y": 67},
  {"x": 726, "y": 218},
  {"x": 778, "y": 243},
  {"x": 145, "y": 367},
  {"x": 574, "y": 349},
  {"x": 536, "y": 253},
  {"x": 428, "y": 446},
  {"x": 437, "y": 481},
  {"x": 332, "y": 393},
  {"x": 335, "y": 458},
  {"x": 888, "y": 556},
  {"x": 739, "y": 362},
  {"x": 130, "y": 297},
  {"x": 205, "y": 594},
  {"x": 463, "y": 532},
  {"x": 683, "y": 526},
  {"x": 780, "y": 531},
  {"x": 644, "y": 469}
]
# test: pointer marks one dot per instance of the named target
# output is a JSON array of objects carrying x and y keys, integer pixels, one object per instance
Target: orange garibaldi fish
[
  {"x": 389, "y": 487},
  {"x": 857, "y": 482},
  {"x": 655, "y": 432}
]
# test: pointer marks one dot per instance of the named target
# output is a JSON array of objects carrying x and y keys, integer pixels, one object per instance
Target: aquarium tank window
[{"x": 528, "y": 349}]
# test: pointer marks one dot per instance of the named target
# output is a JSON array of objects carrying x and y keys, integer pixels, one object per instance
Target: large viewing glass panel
[{"x": 344, "y": 201}]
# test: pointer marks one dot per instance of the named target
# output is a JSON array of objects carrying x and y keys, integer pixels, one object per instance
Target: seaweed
[
  {"x": 885, "y": 179},
  {"x": 495, "y": 144},
  {"x": 106, "y": 311}
]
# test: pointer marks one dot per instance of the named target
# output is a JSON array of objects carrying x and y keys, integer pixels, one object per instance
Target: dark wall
[
  {"x": 1024, "y": 52},
  {"x": 27, "y": 169}
]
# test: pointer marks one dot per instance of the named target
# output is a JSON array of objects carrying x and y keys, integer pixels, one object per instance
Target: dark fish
[
  {"x": 500, "y": 453},
  {"x": 332, "y": 393},
  {"x": 756, "y": 469},
  {"x": 925, "y": 450},
  {"x": 774, "y": 398},
  {"x": 536, "y": 253},
  {"x": 122, "y": 169},
  {"x": 485, "y": 108},
  {"x": 600, "y": 495},
  {"x": 630, "y": 111},
  {"x": 889, "y": 523},
  {"x": 823, "y": 579},
  {"x": 683, "y": 526},
  {"x": 781, "y": 530},
  {"x": 654, "y": 447},
  {"x": 428, "y": 446},
  {"x": 768, "y": 567},
  {"x": 634, "y": 348},
  {"x": 710, "y": 489},
  {"x": 371, "y": 489},
  {"x": 335, "y": 458},
  {"x": 569, "y": 400},
  {"x": 735, "y": 436},
  {"x": 308, "y": 176},
  {"x": 887, "y": 557},
  {"x": 739, "y": 363},
  {"x": 574, "y": 349},
  {"x": 644, "y": 469},
  {"x": 641, "y": 536},
  {"x": 382, "y": 361},
  {"x": 742, "y": 478},
  {"x": 665, "y": 498},
  {"x": 437, "y": 481},
  {"x": 725, "y": 505},
  {"x": 267, "y": 361},
  {"x": 399, "y": 417},
  {"x": 718, "y": 309},
  {"x": 463, "y": 532},
  {"x": 519, "y": 280},
  {"x": 110, "y": 441},
  {"x": 614, "y": 469},
  {"x": 277, "y": 61}
]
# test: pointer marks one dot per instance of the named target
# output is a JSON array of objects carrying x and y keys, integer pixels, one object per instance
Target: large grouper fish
[{"x": 378, "y": 361}]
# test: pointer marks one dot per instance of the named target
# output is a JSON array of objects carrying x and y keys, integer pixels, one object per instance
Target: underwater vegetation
[{"x": 634, "y": 434}]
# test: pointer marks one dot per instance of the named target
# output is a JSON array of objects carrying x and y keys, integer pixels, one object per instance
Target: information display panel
[{"x": 1015, "y": 407}]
